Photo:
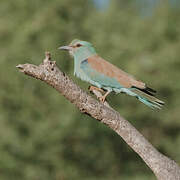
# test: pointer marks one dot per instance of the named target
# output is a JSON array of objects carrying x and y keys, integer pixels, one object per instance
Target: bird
[{"x": 106, "y": 77}]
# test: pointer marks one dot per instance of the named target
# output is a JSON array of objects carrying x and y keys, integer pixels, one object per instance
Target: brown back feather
[{"x": 111, "y": 70}]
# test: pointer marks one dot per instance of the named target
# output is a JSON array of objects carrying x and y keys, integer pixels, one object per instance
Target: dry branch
[{"x": 163, "y": 167}]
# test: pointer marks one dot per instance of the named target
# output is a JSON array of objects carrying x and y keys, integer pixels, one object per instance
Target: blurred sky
[
  {"x": 101, "y": 3},
  {"x": 146, "y": 6}
]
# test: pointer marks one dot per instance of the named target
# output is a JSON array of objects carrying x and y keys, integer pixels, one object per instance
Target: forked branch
[{"x": 163, "y": 167}]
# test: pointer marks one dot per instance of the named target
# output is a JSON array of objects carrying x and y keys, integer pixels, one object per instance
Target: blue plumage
[{"x": 89, "y": 67}]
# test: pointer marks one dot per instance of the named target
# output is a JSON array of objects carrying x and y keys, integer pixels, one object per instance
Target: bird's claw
[{"x": 102, "y": 99}]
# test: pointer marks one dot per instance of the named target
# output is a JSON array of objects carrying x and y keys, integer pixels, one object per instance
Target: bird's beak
[{"x": 67, "y": 48}]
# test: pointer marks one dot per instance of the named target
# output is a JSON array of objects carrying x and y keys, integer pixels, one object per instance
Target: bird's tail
[{"x": 147, "y": 99}]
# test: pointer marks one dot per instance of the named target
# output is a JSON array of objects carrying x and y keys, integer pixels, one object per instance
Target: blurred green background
[{"x": 42, "y": 135}]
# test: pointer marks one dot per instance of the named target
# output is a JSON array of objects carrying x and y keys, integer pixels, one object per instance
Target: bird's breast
[{"x": 78, "y": 72}]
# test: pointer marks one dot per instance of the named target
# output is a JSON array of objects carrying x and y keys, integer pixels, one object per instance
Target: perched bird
[{"x": 90, "y": 67}]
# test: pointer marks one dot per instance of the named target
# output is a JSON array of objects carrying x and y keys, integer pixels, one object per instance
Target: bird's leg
[
  {"x": 91, "y": 88},
  {"x": 103, "y": 98}
]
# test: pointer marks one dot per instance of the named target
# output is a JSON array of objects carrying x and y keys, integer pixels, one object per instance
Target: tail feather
[
  {"x": 151, "y": 104},
  {"x": 147, "y": 99}
]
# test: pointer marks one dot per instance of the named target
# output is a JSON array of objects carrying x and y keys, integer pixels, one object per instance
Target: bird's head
[{"x": 78, "y": 48}]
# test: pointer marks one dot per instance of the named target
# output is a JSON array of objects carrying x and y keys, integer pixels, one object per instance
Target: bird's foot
[
  {"x": 102, "y": 98},
  {"x": 91, "y": 88}
]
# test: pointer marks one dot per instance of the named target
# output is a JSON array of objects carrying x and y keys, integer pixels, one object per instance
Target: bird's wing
[
  {"x": 101, "y": 79},
  {"x": 96, "y": 64}
]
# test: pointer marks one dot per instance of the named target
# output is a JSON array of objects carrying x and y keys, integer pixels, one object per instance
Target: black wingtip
[
  {"x": 146, "y": 90},
  {"x": 150, "y": 89}
]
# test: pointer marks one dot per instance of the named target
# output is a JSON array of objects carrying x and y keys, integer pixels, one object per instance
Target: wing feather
[
  {"x": 108, "y": 69},
  {"x": 102, "y": 79}
]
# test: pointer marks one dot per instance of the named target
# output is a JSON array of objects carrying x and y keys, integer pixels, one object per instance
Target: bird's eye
[{"x": 79, "y": 45}]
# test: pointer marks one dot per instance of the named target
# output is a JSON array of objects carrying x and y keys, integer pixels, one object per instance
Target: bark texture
[{"x": 163, "y": 167}]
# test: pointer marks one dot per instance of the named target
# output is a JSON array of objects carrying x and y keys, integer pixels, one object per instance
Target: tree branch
[{"x": 163, "y": 167}]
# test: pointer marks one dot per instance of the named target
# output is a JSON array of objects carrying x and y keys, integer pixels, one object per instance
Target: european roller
[{"x": 106, "y": 77}]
